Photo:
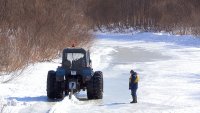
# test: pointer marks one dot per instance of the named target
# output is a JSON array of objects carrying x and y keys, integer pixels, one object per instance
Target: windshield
[
  {"x": 74, "y": 60},
  {"x": 74, "y": 56}
]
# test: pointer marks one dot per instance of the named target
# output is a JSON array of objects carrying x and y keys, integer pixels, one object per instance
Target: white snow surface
[{"x": 168, "y": 67}]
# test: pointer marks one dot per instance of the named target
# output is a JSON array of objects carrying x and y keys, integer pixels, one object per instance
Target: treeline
[
  {"x": 36, "y": 30},
  {"x": 174, "y": 16}
]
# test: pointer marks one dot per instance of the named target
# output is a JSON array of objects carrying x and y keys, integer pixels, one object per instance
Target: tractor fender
[
  {"x": 60, "y": 73},
  {"x": 87, "y": 73}
]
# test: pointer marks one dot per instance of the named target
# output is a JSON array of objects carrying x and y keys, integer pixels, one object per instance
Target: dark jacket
[{"x": 133, "y": 82}]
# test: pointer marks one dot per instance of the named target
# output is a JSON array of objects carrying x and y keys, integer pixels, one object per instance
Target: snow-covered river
[{"x": 169, "y": 78}]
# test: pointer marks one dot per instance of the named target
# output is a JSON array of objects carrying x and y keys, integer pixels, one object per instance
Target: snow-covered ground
[{"x": 169, "y": 72}]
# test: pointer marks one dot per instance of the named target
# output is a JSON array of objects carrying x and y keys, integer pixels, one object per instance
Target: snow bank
[{"x": 169, "y": 72}]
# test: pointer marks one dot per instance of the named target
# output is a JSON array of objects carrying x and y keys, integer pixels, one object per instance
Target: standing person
[{"x": 133, "y": 85}]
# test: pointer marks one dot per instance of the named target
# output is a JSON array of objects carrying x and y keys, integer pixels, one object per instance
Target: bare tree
[
  {"x": 36, "y": 30},
  {"x": 147, "y": 15}
]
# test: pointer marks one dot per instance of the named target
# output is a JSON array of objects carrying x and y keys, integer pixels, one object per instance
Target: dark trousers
[
  {"x": 134, "y": 95},
  {"x": 133, "y": 92}
]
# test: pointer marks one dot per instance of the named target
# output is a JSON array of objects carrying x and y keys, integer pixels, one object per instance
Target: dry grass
[{"x": 37, "y": 30}]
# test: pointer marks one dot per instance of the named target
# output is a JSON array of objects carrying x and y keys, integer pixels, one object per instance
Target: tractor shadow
[
  {"x": 114, "y": 104},
  {"x": 34, "y": 99}
]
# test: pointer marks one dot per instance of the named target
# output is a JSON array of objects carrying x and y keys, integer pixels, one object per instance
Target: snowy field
[{"x": 169, "y": 72}]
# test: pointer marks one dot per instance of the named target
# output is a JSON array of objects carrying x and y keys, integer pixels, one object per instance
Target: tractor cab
[{"x": 75, "y": 58}]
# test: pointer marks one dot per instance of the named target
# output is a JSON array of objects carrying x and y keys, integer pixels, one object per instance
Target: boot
[{"x": 134, "y": 99}]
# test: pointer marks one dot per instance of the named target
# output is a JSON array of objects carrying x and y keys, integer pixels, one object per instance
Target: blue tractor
[{"x": 75, "y": 74}]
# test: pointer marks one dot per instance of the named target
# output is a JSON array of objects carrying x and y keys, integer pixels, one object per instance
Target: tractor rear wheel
[
  {"x": 51, "y": 79},
  {"x": 98, "y": 85},
  {"x": 60, "y": 89},
  {"x": 95, "y": 86},
  {"x": 54, "y": 89},
  {"x": 90, "y": 89}
]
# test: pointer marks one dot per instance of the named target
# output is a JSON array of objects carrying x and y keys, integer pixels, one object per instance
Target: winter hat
[{"x": 131, "y": 71}]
